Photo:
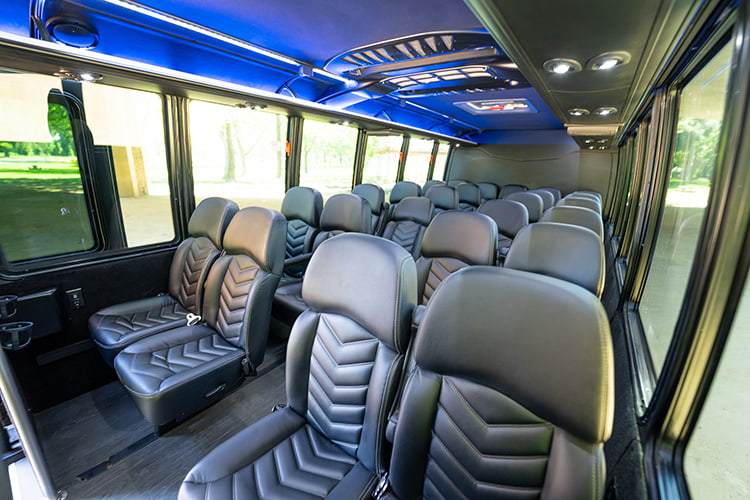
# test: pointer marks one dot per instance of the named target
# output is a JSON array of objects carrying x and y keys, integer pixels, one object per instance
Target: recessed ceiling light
[
  {"x": 561, "y": 66},
  {"x": 578, "y": 112},
  {"x": 590, "y": 147},
  {"x": 606, "y": 111},
  {"x": 602, "y": 147},
  {"x": 512, "y": 83},
  {"x": 602, "y": 141},
  {"x": 608, "y": 60},
  {"x": 588, "y": 141}
]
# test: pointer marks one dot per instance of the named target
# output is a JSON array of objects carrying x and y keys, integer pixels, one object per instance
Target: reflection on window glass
[
  {"x": 42, "y": 201},
  {"x": 130, "y": 124},
  {"x": 381, "y": 161},
  {"x": 327, "y": 157},
  {"x": 238, "y": 154},
  {"x": 418, "y": 160},
  {"x": 697, "y": 139},
  {"x": 717, "y": 463},
  {"x": 441, "y": 161}
]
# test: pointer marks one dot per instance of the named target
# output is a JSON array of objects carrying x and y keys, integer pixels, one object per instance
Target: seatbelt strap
[{"x": 382, "y": 487}]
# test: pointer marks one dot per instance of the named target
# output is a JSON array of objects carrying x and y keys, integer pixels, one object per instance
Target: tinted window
[
  {"x": 418, "y": 160},
  {"x": 381, "y": 161},
  {"x": 327, "y": 157}
]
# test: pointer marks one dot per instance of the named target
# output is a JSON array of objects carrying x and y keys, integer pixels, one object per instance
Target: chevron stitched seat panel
[
  {"x": 199, "y": 254},
  {"x": 405, "y": 234},
  {"x": 233, "y": 298},
  {"x": 485, "y": 445},
  {"x": 296, "y": 234},
  {"x": 440, "y": 269}
]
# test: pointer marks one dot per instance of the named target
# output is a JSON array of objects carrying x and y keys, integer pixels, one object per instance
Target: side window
[
  {"x": 418, "y": 160},
  {"x": 42, "y": 200},
  {"x": 701, "y": 111},
  {"x": 328, "y": 152},
  {"x": 441, "y": 161},
  {"x": 238, "y": 154},
  {"x": 381, "y": 161},
  {"x": 129, "y": 124}
]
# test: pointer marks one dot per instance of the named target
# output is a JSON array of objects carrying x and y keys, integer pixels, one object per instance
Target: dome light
[
  {"x": 578, "y": 112},
  {"x": 561, "y": 66},
  {"x": 588, "y": 141},
  {"x": 608, "y": 60},
  {"x": 605, "y": 111}
]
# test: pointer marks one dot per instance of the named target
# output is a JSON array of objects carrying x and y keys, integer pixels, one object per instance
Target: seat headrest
[
  {"x": 211, "y": 218},
  {"x": 555, "y": 192},
  {"x": 571, "y": 253},
  {"x": 510, "y": 216},
  {"x": 430, "y": 183},
  {"x": 595, "y": 194},
  {"x": 455, "y": 182},
  {"x": 259, "y": 233},
  {"x": 404, "y": 189},
  {"x": 470, "y": 237},
  {"x": 578, "y": 216},
  {"x": 581, "y": 202},
  {"x": 444, "y": 197},
  {"x": 369, "y": 279},
  {"x": 587, "y": 196},
  {"x": 374, "y": 195},
  {"x": 303, "y": 203},
  {"x": 469, "y": 193},
  {"x": 511, "y": 188},
  {"x": 413, "y": 208},
  {"x": 488, "y": 190},
  {"x": 532, "y": 201},
  {"x": 346, "y": 212},
  {"x": 542, "y": 342},
  {"x": 548, "y": 199}
]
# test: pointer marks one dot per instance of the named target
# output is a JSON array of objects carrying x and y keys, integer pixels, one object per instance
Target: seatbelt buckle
[
  {"x": 382, "y": 487},
  {"x": 247, "y": 367},
  {"x": 193, "y": 319}
]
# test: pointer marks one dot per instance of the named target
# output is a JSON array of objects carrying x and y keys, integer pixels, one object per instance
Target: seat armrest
[{"x": 297, "y": 260}]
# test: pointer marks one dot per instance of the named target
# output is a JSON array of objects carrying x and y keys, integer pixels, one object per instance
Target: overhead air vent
[{"x": 498, "y": 106}]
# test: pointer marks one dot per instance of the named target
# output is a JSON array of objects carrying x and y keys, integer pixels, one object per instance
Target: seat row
[{"x": 504, "y": 391}]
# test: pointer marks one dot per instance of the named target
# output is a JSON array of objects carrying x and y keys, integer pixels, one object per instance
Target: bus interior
[{"x": 197, "y": 298}]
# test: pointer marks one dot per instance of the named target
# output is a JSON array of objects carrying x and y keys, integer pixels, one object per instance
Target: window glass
[
  {"x": 441, "y": 161},
  {"x": 130, "y": 123},
  {"x": 717, "y": 463},
  {"x": 238, "y": 154},
  {"x": 381, "y": 161},
  {"x": 418, "y": 160},
  {"x": 327, "y": 162},
  {"x": 42, "y": 200},
  {"x": 701, "y": 111}
]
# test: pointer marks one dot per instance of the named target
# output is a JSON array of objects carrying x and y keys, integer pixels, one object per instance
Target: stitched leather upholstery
[
  {"x": 174, "y": 374},
  {"x": 430, "y": 183},
  {"x": 555, "y": 192},
  {"x": 469, "y": 196},
  {"x": 301, "y": 207},
  {"x": 375, "y": 197},
  {"x": 408, "y": 223},
  {"x": 478, "y": 420},
  {"x": 581, "y": 201},
  {"x": 344, "y": 357},
  {"x": 510, "y": 217},
  {"x": 571, "y": 253},
  {"x": 454, "y": 240},
  {"x": 488, "y": 190},
  {"x": 548, "y": 199},
  {"x": 443, "y": 197},
  {"x": 511, "y": 188},
  {"x": 401, "y": 190},
  {"x": 455, "y": 182},
  {"x": 532, "y": 201},
  {"x": 577, "y": 216},
  {"x": 114, "y": 328}
]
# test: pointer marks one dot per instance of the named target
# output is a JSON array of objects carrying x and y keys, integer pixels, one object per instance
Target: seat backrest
[
  {"x": 595, "y": 194},
  {"x": 408, "y": 223},
  {"x": 578, "y": 216},
  {"x": 469, "y": 196},
  {"x": 511, "y": 188},
  {"x": 488, "y": 190},
  {"x": 548, "y": 199},
  {"x": 455, "y": 182},
  {"x": 587, "y": 195},
  {"x": 511, "y": 394},
  {"x": 343, "y": 213},
  {"x": 555, "y": 192},
  {"x": 241, "y": 284},
  {"x": 584, "y": 202},
  {"x": 510, "y": 217},
  {"x": 563, "y": 251},
  {"x": 345, "y": 352},
  {"x": 404, "y": 189},
  {"x": 430, "y": 183},
  {"x": 454, "y": 240},
  {"x": 375, "y": 197},
  {"x": 532, "y": 201},
  {"x": 194, "y": 257},
  {"x": 301, "y": 207},
  {"x": 443, "y": 197}
]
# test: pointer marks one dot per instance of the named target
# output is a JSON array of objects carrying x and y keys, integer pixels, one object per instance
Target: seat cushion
[
  {"x": 179, "y": 371},
  {"x": 116, "y": 327},
  {"x": 288, "y": 302},
  {"x": 280, "y": 457}
]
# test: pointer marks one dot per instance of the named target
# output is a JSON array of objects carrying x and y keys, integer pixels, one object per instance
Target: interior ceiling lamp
[
  {"x": 605, "y": 111},
  {"x": 578, "y": 112},
  {"x": 561, "y": 66},
  {"x": 608, "y": 60}
]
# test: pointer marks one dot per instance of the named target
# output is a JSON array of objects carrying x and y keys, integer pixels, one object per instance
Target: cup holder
[
  {"x": 17, "y": 335},
  {"x": 8, "y": 306}
]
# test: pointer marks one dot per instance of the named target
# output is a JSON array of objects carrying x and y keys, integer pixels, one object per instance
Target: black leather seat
[
  {"x": 342, "y": 213},
  {"x": 469, "y": 196},
  {"x": 581, "y": 201},
  {"x": 443, "y": 197},
  {"x": 176, "y": 373},
  {"x": 577, "y": 216},
  {"x": 563, "y": 251},
  {"x": 116, "y": 327},
  {"x": 532, "y": 201},
  {"x": 454, "y": 240},
  {"x": 408, "y": 224},
  {"x": 511, "y": 188},
  {"x": 511, "y": 394},
  {"x": 344, "y": 360},
  {"x": 301, "y": 207},
  {"x": 430, "y": 183},
  {"x": 510, "y": 217},
  {"x": 401, "y": 190},
  {"x": 455, "y": 182},
  {"x": 488, "y": 190},
  {"x": 375, "y": 196},
  {"x": 548, "y": 199},
  {"x": 555, "y": 192}
]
